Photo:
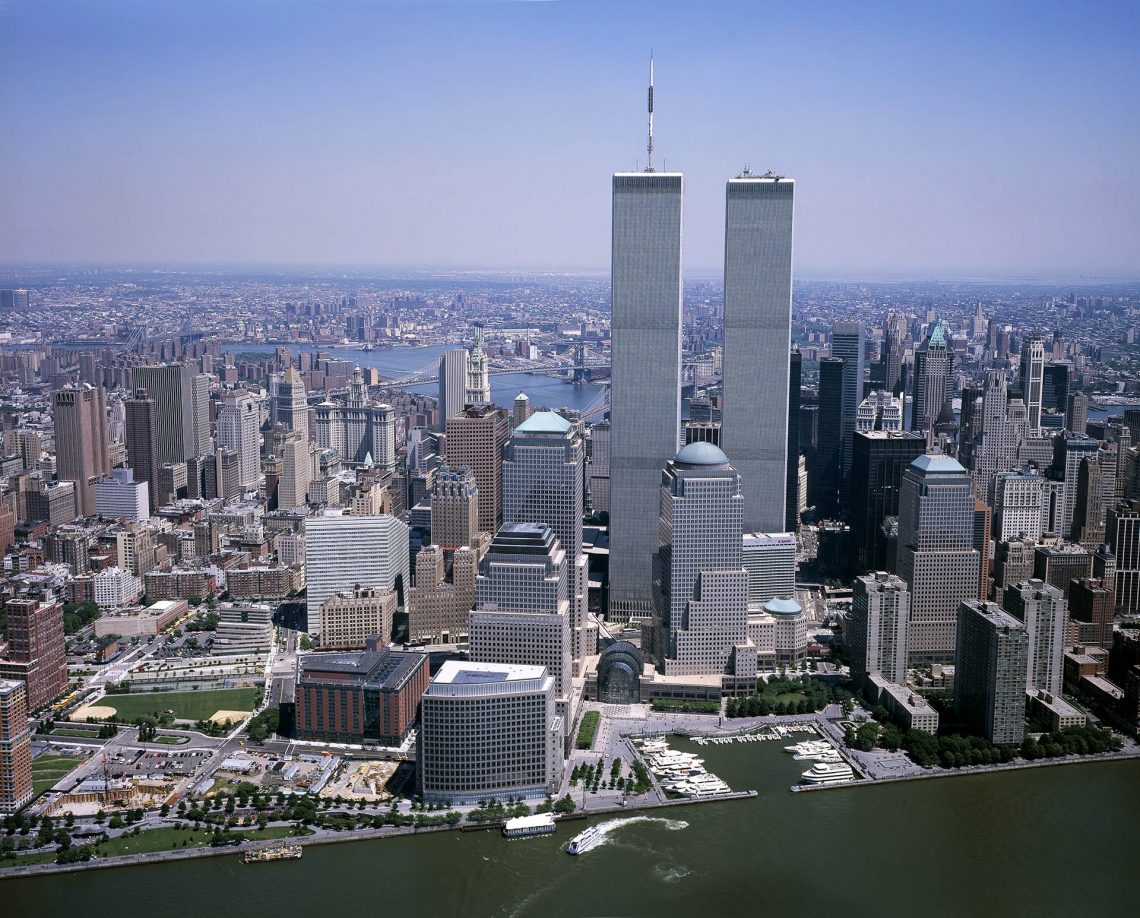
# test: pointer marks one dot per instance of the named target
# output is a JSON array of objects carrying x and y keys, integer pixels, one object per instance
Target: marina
[
  {"x": 681, "y": 773},
  {"x": 775, "y": 732}
]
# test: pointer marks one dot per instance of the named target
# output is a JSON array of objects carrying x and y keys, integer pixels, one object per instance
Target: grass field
[
  {"x": 185, "y": 705},
  {"x": 168, "y": 740},
  {"x": 48, "y": 769},
  {"x": 76, "y": 731},
  {"x": 154, "y": 840}
]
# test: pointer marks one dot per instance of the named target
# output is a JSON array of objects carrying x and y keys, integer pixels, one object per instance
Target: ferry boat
[
  {"x": 828, "y": 773},
  {"x": 275, "y": 853},
  {"x": 529, "y": 826},
  {"x": 582, "y": 843}
]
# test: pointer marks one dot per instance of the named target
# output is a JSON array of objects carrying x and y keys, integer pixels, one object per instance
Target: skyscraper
[
  {"x": 291, "y": 403},
  {"x": 599, "y": 488},
  {"x": 847, "y": 343},
  {"x": 792, "y": 462},
  {"x": 544, "y": 482},
  {"x": 877, "y": 632},
  {"x": 475, "y": 439},
  {"x": 1032, "y": 379},
  {"x": 991, "y": 671},
  {"x": 182, "y": 410},
  {"x": 81, "y": 448},
  {"x": 1123, "y": 536},
  {"x": 936, "y": 556},
  {"x": 757, "y": 332},
  {"x": 879, "y": 459},
  {"x": 645, "y": 377},
  {"x": 933, "y": 365},
  {"x": 296, "y": 472},
  {"x": 142, "y": 441},
  {"x": 452, "y": 384},
  {"x": 770, "y": 560},
  {"x": 1077, "y": 414},
  {"x": 454, "y": 508},
  {"x": 894, "y": 332},
  {"x": 360, "y": 430},
  {"x": 700, "y": 584},
  {"x": 239, "y": 429},
  {"x": 345, "y": 552},
  {"x": 826, "y": 476}
]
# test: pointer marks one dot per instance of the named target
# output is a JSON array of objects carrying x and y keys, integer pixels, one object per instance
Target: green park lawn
[
  {"x": 154, "y": 840},
  {"x": 168, "y": 740},
  {"x": 185, "y": 705},
  {"x": 48, "y": 769}
]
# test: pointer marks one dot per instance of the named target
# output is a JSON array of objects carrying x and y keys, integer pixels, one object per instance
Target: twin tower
[{"x": 646, "y": 327}]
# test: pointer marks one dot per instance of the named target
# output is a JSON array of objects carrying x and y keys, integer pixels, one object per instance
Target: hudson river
[{"x": 1041, "y": 842}]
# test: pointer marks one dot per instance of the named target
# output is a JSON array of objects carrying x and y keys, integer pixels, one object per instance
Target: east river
[
  {"x": 1042, "y": 842},
  {"x": 543, "y": 391}
]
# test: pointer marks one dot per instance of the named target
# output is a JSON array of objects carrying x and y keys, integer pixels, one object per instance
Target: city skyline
[{"x": 498, "y": 101}]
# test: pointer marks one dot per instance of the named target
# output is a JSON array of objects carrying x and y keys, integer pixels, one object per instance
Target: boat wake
[{"x": 610, "y": 826}]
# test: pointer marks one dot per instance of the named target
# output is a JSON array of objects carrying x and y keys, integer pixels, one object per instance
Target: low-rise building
[
  {"x": 156, "y": 617},
  {"x": 1051, "y": 713},
  {"x": 367, "y": 697},
  {"x": 243, "y": 628},
  {"x": 904, "y": 704}
]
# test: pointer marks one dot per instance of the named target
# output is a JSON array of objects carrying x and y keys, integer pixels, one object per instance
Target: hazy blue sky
[{"x": 948, "y": 139}]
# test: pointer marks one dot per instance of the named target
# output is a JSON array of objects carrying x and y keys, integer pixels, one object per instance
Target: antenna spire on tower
[{"x": 649, "y": 140}]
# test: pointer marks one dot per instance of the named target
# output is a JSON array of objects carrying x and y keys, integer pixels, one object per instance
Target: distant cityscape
[{"x": 448, "y": 551}]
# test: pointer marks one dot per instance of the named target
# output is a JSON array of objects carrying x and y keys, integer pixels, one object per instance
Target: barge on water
[
  {"x": 275, "y": 853},
  {"x": 527, "y": 826}
]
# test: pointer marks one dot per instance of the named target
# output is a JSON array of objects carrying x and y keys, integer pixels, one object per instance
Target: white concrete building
[
  {"x": 120, "y": 497},
  {"x": 115, "y": 588},
  {"x": 239, "y": 429},
  {"x": 343, "y": 552},
  {"x": 770, "y": 559},
  {"x": 877, "y": 633}
]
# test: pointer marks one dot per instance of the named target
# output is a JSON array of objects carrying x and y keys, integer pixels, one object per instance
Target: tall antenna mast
[{"x": 649, "y": 140}]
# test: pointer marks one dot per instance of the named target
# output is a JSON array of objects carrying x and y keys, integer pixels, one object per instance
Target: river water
[
  {"x": 1041, "y": 842},
  {"x": 543, "y": 391}
]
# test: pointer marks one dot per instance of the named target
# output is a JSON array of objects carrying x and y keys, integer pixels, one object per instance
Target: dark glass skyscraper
[{"x": 879, "y": 459}]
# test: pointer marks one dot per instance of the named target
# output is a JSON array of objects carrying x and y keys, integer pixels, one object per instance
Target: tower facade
[
  {"x": 847, "y": 343},
  {"x": 478, "y": 387},
  {"x": 475, "y": 439},
  {"x": 454, "y": 508},
  {"x": 757, "y": 333},
  {"x": 1042, "y": 609},
  {"x": 291, "y": 403},
  {"x": 645, "y": 377},
  {"x": 182, "y": 410},
  {"x": 933, "y": 365},
  {"x": 1033, "y": 379},
  {"x": 880, "y": 612},
  {"x": 452, "y": 384},
  {"x": 16, "y": 787},
  {"x": 991, "y": 671}
]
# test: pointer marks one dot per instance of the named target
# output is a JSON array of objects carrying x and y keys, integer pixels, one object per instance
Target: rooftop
[
  {"x": 456, "y": 672},
  {"x": 937, "y": 462},
  {"x": 701, "y": 452},
  {"x": 544, "y": 422}
]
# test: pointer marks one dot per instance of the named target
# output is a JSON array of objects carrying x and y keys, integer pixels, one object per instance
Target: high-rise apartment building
[
  {"x": 757, "y": 332},
  {"x": 36, "y": 650},
  {"x": 991, "y": 672},
  {"x": 81, "y": 448},
  {"x": 877, "y": 633},
  {"x": 16, "y": 789},
  {"x": 645, "y": 378},
  {"x": 452, "y": 384},
  {"x": 1033, "y": 379},
  {"x": 142, "y": 441},
  {"x": 1042, "y": 609},
  {"x": 936, "y": 554},
  {"x": 847, "y": 343},
  {"x": 345, "y": 552},
  {"x": 475, "y": 439},
  {"x": 700, "y": 584},
  {"x": 239, "y": 429},
  {"x": 489, "y": 731},
  {"x": 933, "y": 366}
]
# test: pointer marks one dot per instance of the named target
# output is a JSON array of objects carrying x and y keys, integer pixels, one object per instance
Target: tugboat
[{"x": 274, "y": 853}]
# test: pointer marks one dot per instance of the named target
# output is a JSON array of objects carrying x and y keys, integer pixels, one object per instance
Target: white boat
[
  {"x": 582, "y": 843},
  {"x": 809, "y": 746},
  {"x": 828, "y": 773}
]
